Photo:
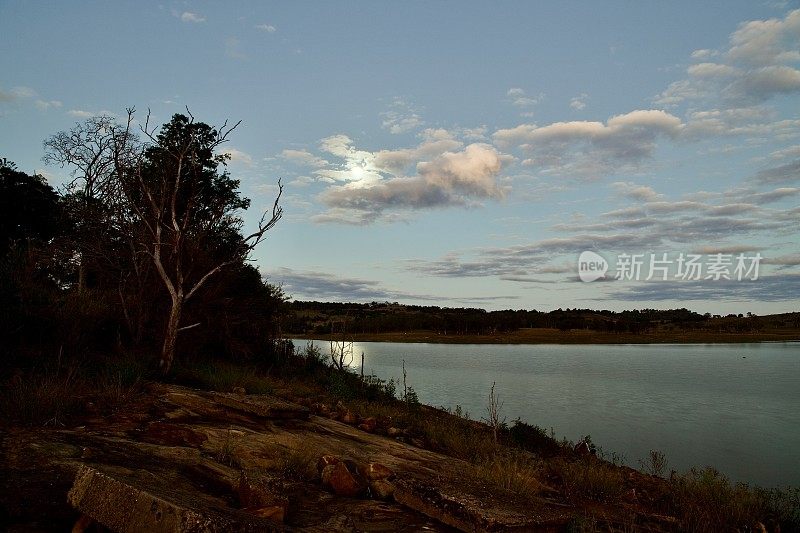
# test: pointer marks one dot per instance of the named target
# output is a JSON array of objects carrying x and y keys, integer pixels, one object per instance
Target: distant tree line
[
  {"x": 145, "y": 242},
  {"x": 386, "y": 317}
]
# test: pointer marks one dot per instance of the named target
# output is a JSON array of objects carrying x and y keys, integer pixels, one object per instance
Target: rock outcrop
[{"x": 179, "y": 460}]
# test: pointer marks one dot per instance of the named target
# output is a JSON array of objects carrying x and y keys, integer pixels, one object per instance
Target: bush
[
  {"x": 588, "y": 478},
  {"x": 533, "y": 438},
  {"x": 706, "y": 500}
]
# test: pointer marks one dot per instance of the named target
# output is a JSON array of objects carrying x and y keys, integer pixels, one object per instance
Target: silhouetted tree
[
  {"x": 186, "y": 212},
  {"x": 29, "y": 208}
]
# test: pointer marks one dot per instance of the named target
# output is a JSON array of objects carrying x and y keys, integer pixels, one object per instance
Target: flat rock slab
[
  {"x": 177, "y": 466},
  {"x": 125, "y": 506}
]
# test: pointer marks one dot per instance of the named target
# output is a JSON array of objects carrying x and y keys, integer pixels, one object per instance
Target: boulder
[
  {"x": 368, "y": 425},
  {"x": 349, "y": 418},
  {"x": 381, "y": 489},
  {"x": 326, "y": 460},
  {"x": 394, "y": 432},
  {"x": 168, "y": 434},
  {"x": 342, "y": 481},
  {"x": 376, "y": 471},
  {"x": 262, "y": 495}
]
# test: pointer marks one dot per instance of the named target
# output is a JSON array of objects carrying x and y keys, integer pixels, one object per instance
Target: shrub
[{"x": 588, "y": 478}]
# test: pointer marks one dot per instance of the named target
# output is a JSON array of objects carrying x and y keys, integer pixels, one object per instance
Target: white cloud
[
  {"x": 520, "y": 99},
  {"x": 269, "y": 28},
  {"x": 401, "y": 117},
  {"x": 303, "y": 158},
  {"x": 22, "y": 93},
  {"x": 587, "y": 149},
  {"x": 711, "y": 70},
  {"x": 238, "y": 156},
  {"x": 451, "y": 178},
  {"x": 637, "y": 192},
  {"x": 766, "y": 42},
  {"x": 704, "y": 54},
  {"x": 188, "y": 16},
  {"x": 755, "y": 68},
  {"x": 578, "y": 103},
  {"x": 83, "y": 113},
  {"x": 44, "y": 105}
]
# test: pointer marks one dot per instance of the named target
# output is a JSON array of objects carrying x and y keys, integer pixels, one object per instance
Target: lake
[{"x": 732, "y": 406}]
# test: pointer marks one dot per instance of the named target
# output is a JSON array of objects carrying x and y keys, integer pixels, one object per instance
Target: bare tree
[
  {"x": 186, "y": 210},
  {"x": 341, "y": 346},
  {"x": 93, "y": 149},
  {"x": 494, "y": 408}
]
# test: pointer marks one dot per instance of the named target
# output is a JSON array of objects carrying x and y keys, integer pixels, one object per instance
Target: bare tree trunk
[
  {"x": 171, "y": 336},
  {"x": 82, "y": 276}
]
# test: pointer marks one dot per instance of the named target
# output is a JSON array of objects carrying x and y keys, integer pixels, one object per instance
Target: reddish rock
[
  {"x": 262, "y": 495},
  {"x": 381, "y": 489},
  {"x": 349, "y": 418},
  {"x": 343, "y": 482},
  {"x": 376, "y": 471},
  {"x": 276, "y": 513},
  {"x": 394, "y": 432},
  {"x": 173, "y": 435},
  {"x": 368, "y": 424},
  {"x": 239, "y": 390},
  {"x": 326, "y": 460}
]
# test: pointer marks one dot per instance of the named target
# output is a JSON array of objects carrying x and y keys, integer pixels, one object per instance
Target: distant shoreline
[{"x": 554, "y": 336}]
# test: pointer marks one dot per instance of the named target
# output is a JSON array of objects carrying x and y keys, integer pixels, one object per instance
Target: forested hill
[{"x": 384, "y": 317}]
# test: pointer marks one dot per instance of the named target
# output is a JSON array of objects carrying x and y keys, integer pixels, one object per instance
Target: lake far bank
[{"x": 555, "y": 336}]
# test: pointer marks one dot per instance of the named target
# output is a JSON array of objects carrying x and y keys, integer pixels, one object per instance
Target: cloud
[
  {"x": 44, "y": 105},
  {"x": 452, "y": 178},
  {"x": 316, "y": 285},
  {"x": 401, "y": 117},
  {"x": 269, "y": 28},
  {"x": 188, "y": 16},
  {"x": 16, "y": 93},
  {"x": 781, "y": 174},
  {"x": 636, "y": 192},
  {"x": 238, "y": 156},
  {"x": 27, "y": 94},
  {"x": 765, "y": 42},
  {"x": 520, "y": 99},
  {"x": 83, "y": 113},
  {"x": 774, "y": 195},
  {"x": 727, "y": 249},
  {"x": 589, "y": 149},
  {"x": 437, "y": 142},
  {"x": 789, "y": 260},
  {"x": 755, "y": 68},
  {"x": 578, "y": 103},
  {"x": 704, "y": 54},
  {"x": 774, "y": 288},
  {"x": 303, "y": 158}
]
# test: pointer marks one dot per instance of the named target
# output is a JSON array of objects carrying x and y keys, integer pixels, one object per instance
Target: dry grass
[
  {"x": 511, "y": 471},
  {"x": 588, "y": 478},
  {"x": 298, "y": 463},
  {"x": 43, "y": 399},
  {"x": 706, "y": 500},
  {"x": 224, "y": 376}
]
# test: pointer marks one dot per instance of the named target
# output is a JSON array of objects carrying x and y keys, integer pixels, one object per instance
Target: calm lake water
[{"x": 733, "y": 406}]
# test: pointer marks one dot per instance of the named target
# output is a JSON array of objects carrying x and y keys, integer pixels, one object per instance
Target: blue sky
[{"x": 458, "y": 153}]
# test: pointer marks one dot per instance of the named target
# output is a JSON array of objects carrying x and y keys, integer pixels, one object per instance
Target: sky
[{"x": 461, "y": 153}]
